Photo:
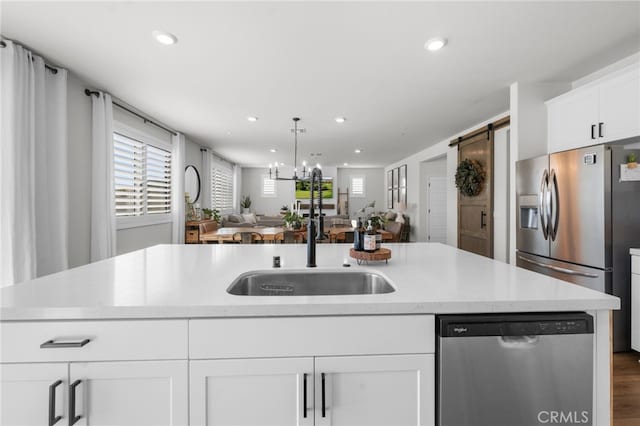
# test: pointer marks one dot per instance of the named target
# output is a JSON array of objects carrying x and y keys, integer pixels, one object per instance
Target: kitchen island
[{"x": 159, "y": 322}]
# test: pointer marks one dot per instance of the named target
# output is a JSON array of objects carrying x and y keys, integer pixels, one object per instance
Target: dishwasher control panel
[{"x": 515, "y": 325}]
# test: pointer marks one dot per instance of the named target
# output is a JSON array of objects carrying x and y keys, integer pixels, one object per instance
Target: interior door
[
  {"x": 141, "y": 393},
  {"x": 578, "y": 201},
  {"x": 251, "y": 392},
  {"x": 475, "y": 214},
  {"x": 437, "y": 209},
  {"x": 394, "y": 390},
  {"x": 25, "y": 392}
]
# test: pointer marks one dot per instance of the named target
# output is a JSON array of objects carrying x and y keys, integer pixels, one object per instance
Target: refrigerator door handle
[
  {"x": 542, "y": 204},
  {"x": 559, "y": 269},
  {"x": 555, "y": 206}
]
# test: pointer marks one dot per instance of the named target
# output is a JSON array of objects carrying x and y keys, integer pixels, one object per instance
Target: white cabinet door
[
  {"x": 252, "y": 392},
  {"x": 375, "y": 390},
  {"x": 635, "y": 312},
  {"x": 570, "y": 120},
  {"x": 620, "y": 107},
  {"x": 25, "y": 391},
  {"x": 136, "y": 393}
]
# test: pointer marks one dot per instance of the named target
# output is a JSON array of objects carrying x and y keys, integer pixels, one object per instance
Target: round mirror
[{"x": 192, "y": 183}]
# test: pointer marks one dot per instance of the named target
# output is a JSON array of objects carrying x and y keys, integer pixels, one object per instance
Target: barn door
[{"x": 475, "y": 213}]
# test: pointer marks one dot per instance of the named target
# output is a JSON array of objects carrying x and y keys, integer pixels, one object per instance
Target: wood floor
[{"x": 626, "y": 389}]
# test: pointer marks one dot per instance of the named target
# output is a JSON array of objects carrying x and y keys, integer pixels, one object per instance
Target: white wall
[
  {"x": 79, "y": 160},
  {"x": 251, "y": 181},
  {"x": 374, "y": 187},
  {"x": 414, "y": 186},
  {"x": 501, "y": 194}
]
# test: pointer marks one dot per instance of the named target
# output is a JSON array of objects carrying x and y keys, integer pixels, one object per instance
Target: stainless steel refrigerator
[{"x": 576, "y": 221}]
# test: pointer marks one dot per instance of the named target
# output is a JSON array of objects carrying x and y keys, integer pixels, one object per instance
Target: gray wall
[
  {"x": 374, "y": 187},
  {"x": 79, "y": 159}
]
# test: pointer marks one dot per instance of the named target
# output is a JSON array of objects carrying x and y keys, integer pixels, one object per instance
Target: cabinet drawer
[
  {"x": 192, "y": 236},
  {"x": 311, "y": 336},
  {"x": 635, "y": 264},
  {"x": 108, "y": 340}
]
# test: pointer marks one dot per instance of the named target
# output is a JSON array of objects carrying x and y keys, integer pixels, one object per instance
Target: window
[
  {"x": 357, "y": 186},
  {"x": 268, "y": 187},
  {"x": 142, "y": 181},
  {"x": 221, "y": 186}
]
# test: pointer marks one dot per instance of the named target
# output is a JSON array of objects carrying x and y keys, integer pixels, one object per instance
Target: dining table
[{"x": 268, "y": 233}]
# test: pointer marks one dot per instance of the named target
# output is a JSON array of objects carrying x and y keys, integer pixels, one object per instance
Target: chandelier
[{"x": 305, "y": 173}]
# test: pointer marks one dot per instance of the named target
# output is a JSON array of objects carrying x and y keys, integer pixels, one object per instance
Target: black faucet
[{"x": 312, "y": 234}]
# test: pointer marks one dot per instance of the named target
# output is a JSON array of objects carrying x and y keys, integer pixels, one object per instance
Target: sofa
[{"x": 250, "y": 220}]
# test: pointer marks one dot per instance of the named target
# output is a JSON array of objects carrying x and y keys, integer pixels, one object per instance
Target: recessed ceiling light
[
  {"x": 358, "y": 151},
  {"x": 435, "y": 43},
  {"x": 345, "y": 164},
  {"x": 164, "y": 37},
  {"x": 229, "y": 133},
  {"x": 252, "y": 119},
  {"x": 273, "y": 150},
  {"x": 340, "y": 119}
]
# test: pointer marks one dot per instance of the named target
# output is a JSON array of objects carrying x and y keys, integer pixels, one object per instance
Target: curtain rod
[
  {"x": 145, "y": 119},
  {"x": 47, "y": 66}
]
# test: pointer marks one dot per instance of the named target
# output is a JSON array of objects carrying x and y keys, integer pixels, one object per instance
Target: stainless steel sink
[{"x": 309, "y": 283}]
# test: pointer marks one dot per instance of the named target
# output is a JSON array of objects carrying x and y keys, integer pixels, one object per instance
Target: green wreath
[{"x": 470, "y": 177}]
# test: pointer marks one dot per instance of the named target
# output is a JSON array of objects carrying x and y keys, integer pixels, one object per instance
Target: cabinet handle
[
  {"x": 482, "y": 216},
  {"x": 593, "y": 131},
  {"x": 53, "y": 419},
  {"x": 600, "y": 129},
  {"x": 72, "y": 403},
  {"x": 53, "y": 344},
  {"x": 304, "y": 395},
  {"x": 324, "y": 407}
]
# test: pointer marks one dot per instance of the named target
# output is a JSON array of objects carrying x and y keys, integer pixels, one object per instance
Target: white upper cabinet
[
  {"x": 620, "y": 107},
  {"x": 602, "y": 111}
]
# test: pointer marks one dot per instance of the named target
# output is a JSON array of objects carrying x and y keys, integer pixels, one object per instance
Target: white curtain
[
  {"x": 177, "y": 187},
  {"x": 103, "y": 220},
  {"x": 33, "y": 167}
]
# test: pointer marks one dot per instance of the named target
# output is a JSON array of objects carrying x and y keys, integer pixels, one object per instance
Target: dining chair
[
  {"x": 396, "y": 230},
  {"x": 344, "y": 237},
  {"x": 247, "y": 237},
  {"x": 285, "y": 237}
]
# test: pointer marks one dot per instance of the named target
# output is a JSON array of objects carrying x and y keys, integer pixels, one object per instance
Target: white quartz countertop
[
  {"x": 634, "y": 252},
  {"x": 189, "y": 281}
]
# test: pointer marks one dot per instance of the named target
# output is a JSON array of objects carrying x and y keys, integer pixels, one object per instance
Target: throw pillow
[
  {"x": 236, "y": 218},
  {"x": 249, "y": 218},
  {"x": 391, "y": 216}
]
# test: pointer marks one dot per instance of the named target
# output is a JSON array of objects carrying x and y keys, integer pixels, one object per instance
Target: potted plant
[
  {"x": 245, "y": 204},
  {"x": 292, "y": 220},
  {"x": 631, "y": 161},
  {"x": 212, "y": 214},
  {"x": 377, "y": 221}
]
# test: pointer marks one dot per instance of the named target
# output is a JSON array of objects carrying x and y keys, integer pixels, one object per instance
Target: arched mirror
[{"x": 192, "y": 182}]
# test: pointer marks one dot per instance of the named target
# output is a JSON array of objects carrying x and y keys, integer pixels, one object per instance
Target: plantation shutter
[
  {"x": 128, "y": 164},
  {"x": 158, "y": 180},
  {"x": 357, "y": 186},
  {"x": 221, "y": 185}
]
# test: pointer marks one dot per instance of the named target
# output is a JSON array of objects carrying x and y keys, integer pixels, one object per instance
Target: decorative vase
[{"x": 245, "y": 210}]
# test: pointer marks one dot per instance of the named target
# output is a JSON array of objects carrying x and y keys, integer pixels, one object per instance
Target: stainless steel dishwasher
[{"x": 515, "y": 370}]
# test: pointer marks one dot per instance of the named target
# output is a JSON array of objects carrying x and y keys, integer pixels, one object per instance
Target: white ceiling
[{"x": 364, "y": 61}]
